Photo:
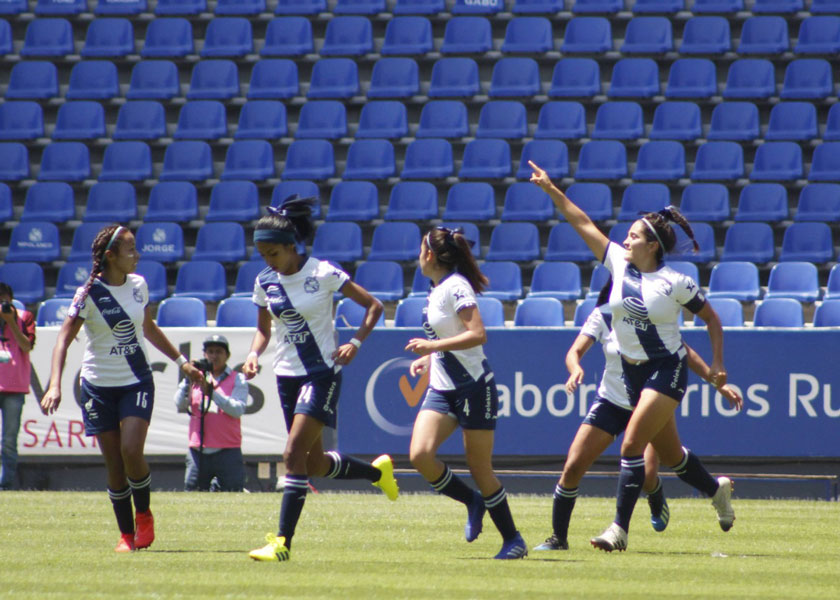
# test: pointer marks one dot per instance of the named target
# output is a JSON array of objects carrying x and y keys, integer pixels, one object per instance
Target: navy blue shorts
[
  {"x": 608, "y": 417},
  {"x": 474, "y": 406},
  {"x": 308, "y": 395},
  {"x": 104, "y": 408},
  {"x": 667, "y": 376}
]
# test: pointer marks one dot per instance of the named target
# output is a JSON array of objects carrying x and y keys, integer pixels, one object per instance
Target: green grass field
[{"x": 59, "y": 544}]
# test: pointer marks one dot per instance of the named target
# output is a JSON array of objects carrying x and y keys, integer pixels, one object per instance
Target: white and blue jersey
[
  {"x": 301, "y": 307},
  {"x": 454, "y": 368},
  {"x": 598, "y": 326},
  {"x": 646, "y": 306}
]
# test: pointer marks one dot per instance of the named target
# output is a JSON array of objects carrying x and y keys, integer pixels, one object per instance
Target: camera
[
  {"x": 6, "y": 307},
  {"x": 203, "y": 365}
]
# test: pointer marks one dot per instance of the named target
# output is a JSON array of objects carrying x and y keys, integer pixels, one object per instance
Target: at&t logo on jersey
[
  {"x": 296, "y": 326},
  {"x": 637, "y": 314},
  {"x": 124, "y": 333}
]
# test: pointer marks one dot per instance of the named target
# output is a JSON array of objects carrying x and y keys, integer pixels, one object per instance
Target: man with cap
[{"x": 214, "y": 406}]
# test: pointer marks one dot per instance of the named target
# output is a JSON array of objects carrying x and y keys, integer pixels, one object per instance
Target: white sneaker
[
  {"x": 722, "y": 501},
  {"x": 613, "y": 538}
]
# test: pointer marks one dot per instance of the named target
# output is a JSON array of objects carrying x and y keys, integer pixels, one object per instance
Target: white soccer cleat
[
  {"x": 722, "y": 501},
  {"x": 613, "y": 538}
]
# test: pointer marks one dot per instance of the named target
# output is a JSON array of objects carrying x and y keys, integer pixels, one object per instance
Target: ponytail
[
  {"x": 658, "y": 229},
  {"x": 105, "y": 240},
  {"x": 454, "y": 251}
]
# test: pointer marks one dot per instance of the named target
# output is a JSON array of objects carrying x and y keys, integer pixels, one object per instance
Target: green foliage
[{"x": 59, "y": 544}]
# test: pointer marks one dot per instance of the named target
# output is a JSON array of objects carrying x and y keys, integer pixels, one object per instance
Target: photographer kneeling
[{"x": 215, "y": 432}]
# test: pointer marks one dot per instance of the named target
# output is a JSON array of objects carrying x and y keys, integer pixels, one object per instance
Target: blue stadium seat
[
  {"x": 370, "y": 159},
  {"x": 35, "y": 242},
  {"x": 818, "y": 35},
  {"x": 808, "y": 78},
  {"x": 48, "y": 37},
  {"x": 168, "y": 38},
  {"x": 112, "y": 202},
  {"x": 595, "y": 199},
  {"x": 719, "y": 160},
  {"x": 505, "y": 280},
  {"x": 359, "y": 7},
  {"x": 832, "y": 288},
  {"x": 526, "y": 202},
  {"x": 539, "y": 312},
  {"x": 634, "y": 77},
  {"x": 5, "y": 202},
  {"x": 779, "y": 312},
  {"x": 486, "y": 159},
  {"x": 706, "y": 35},
  {"x": 395, "y": 241},
  {"x": 5, "y": 37},
  {"x": 126, "y": 161},
  {"x": 49, "y": 201},
  {"x": 228, "y": 36},
  {"x": 65, "y": 161},
  {"x": 825, "y": 163},
  {"x": 648, "y": 35},
  {"x": 792, "y": 121},
  {"x": 552, "y": 279},
  {"x": 529, "y": 7},
  {"x": 597, "y": 6},
  {"x": 515, "y": 77},
  {"x": 71, "y": 276},
  {"x": 26, "y": 279},
  {"x": 514, "y": 241},
  {"x": 777, "y": 161},
  {"x": 172, "y": 201},
  {"x": 163, "y": 242},
  {"x": 334, "y": 78},
  {"x": 821, "y": 7},
  {"x": 32, "y": 79},
  {"x": 215, "y": 79},
  {"x": 588, "y": 35},
  {"x": 154, "y": 80},
  {"x": 93, "y": 80},
  {"x": 778, "y": 6},
  {"x": 598, "y": 279},
  {"x": 394, "y": 77},
  {"x": 827, "y": 314},
  {"x": 249, "y": 159},
  {"x": 684, "y": 250},
  {"x": 643, "y": 198},
  {"x": 454, "y": 77},
  {"x": 691, "y": 78},
  {"x": 339, "y": 242},
  {"x": 810, "y": 242},
  {"x": 492, "y": 311},
  {"x": 762, "y": 202},
  {"x": 735, "y": 279},
  {"x": 618, "y": 121},
  {"x": 409, "y": 312},
  {"x": 795, "y": 279},
  {"x": 750, "y": 78},
  {"x": 686, "y": 268},
  {"x": 60, "y": 7},
  {"x": 109, "y": 38},
  {"x": 220, "y": 241},
  {"x": 602, "y": 159},
  {"x": 705, "y": 202},
  {"x": 353, "y": 201},
  {"x": 350, "y": 314},
  {"x": 528, "y": 34},
  {"x": 83, "y": 236},
  {"x": 658, "y": 6},
  {"x": 383, "y": 279},
  {"x": 301, "y": 7},
  {"x": 575, "y": 77},
  {"x": 412, "y": 201},
  {"x": 234, "y": 201},
  {"x": 471, "y": 232},
  {"x": 14, "y": 161},
  {"x": 583, "y": 310},
  {"x": 304, "y": 189},
  {"x": 239, "y": 7},
  {"x": 729, "y": 311},
  {"x": 552, "y": 156},
  {"x": 13, "y": 7},
  {"x": 52, "y": 312},
  {"x": 180, "y": 7},
  {"x": 187, "y": 161},
  {"x": 288, "y": 36},
  {"x": 420, "y": 285},
  {"x": 347, "y": 36},
  {"x": 383, "y": 119},
  {"x": 274, "y": 79},
  {"x": 660, "y": 161},
  {"x": 262, "y": 119},
  {"x": 470, "y": 201},
  {"x": 502, "y": 119},
  {"x": 443, "y": 119},
  {"x": 237, "y": 312},
  {"x": 419, "y": 7},
  {"x": 140, "y": 120},
  {"x": 676, "y": 121},
  {"x": 467, "y": 35},
  {"x": 467, "y": 7},
  {"x": 407, "y": 35},
  {"x": 181, "y": 312},
  {"x": 80, "y": 120},
  {"x": 322, "y": 119},
  {"x": 734, "y": 121},
  {"x": 564, "y": 244},
  {"x": 246, "y": 275},
  {"x": 155, "y": 275},
  {"x": 764, "y": 35},
  {"x": 202, "y": 279},
  {"x": 309, "y": 159},
  {"x": 749, "y": 242},
  {"x": 819, "y": 202},
  {"x": 618, "y": 232},
  {"x": 561, "y": 119},
  {"x": 428, "y": 158}
]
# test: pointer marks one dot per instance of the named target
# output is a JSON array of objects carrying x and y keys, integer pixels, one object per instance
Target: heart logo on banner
[{"x": 413, "y": 394}]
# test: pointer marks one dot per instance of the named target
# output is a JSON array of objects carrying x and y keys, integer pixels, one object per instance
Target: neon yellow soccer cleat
[
  {"x": 274, "y": 550},
  {"x": 386, "y": 482}
]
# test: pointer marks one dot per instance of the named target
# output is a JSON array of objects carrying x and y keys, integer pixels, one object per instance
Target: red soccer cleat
[
  {"x": 145, "y": 524},
  {"x": 126, "y": 543}
]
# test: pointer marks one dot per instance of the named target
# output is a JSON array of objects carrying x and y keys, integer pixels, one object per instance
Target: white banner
[{"x": 62, "y": 433}]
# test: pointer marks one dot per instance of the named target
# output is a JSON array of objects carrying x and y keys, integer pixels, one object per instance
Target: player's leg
[
  {"x": 133, "y": 440},
  {"x": 660, "y": 514},
  {"x": 337, "y": 465},
  {"x": 118, "y": 490}
]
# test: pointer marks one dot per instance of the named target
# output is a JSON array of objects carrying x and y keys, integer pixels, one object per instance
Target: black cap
[{"x": 217, "y": 340}]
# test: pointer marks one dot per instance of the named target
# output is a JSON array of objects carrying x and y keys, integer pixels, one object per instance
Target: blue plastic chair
[
  {"x": 749, "y": 242},
  {"x": 288, "y": 36},
  {"x": 795, "y": 279},
  {"x": 409, "y": 312},
  {"x": 140, "y": 120},
  {"x": 394, "y": 77},
  {"x": 589, "y": 35},
  {"x": 832, "y": 288},
  {"x": 750, "y": 78},
  {"x": 443, "y": 119},
  {"x": 118, "y": 7},
  {"x": 735, "y": 279},
  {"x": 528, "y": 34},
  {"x": 705, "y": 202},
  {"x": 32, "y": 80},
  {"x": 648, "y": 35},
  {"x": 717, "y": 6},
  {"x": 26, "y": 279},
  {"x": 155, "y": 275},
  {"x": 505, "y": 280},
  {"x": 304, "y": 189},
  {"x": 635, "y": 78},
  {"x": 825, "y": 163},
  {"x": 691, "y": 78},
  {"x": 808, "y": 78},
  {"x": 470, "y": 201},
  {"x": 237, "y": 312},
  {"x": 778, "y": 6},
  {"x": 779, "y": 312},
  {"x": 154, "y": 80},
  {"x": 180, "y": 7},
  {"x": 111, "y": 202},
  {"x": 249, "y": 159},
  {"x": 383, "y": 119},
  {"x": 5, "y": 37},
  {"x": 126, "y": 161},
  {"x": 233, "y": 201},
  {"x": 48, "y": 37},
  {"x": 552, "y": 156},
  {"x": 109, "y": 38},
  {"x": 559, "y": 280},
  {"x": 350, "y": 314},
  {"x": 181, "y": 312},
  {"x": 528, "y": 7},
  {"x": 515, "y": 77},
  {"x": 420, "y": 285},
  {"x": 602, "y": 159},
  {"x": 71, "y": 276},
  {"x": 334, "y": 78},
  {"x": 228, "y": 36},
  {"x": 729, "y": 311},
  {"x": 514, "y": 241},
  {"x": 764, "y": 35},
  {"x": 792, "y": 121},
  {"x": 502, "y": 119},
  {"x": 526, "y": 202},
  {"x": 777, "y": 161},
  {"x": 22, "y": 120},
  {"x": 395, "y": 241},
  {"x": 643, "y": 198},
  {"x": 582, "y": 311},
  {"x": 734, "y": 121},
  {"x": 187, "y": 161},
  {"x": 383, "y": 279},
  {"x": 93, "y": 80},
  {"x": 246, "y": 275},
  {"x": 618, "y": 121},
  {"x": 370, "y": 159},
  {"x": 240, "y": 7},
  {"x": 486, "y": 159},
  {"x": 13, "y": 7},
  {"x": 597, "y": 6},
  {"x": 706, "y": 35},
  {"x": 300, "y": 7},
  {"x": 309, "y": 159},
  {"x": 704, "y": 234},
  {"x": 827, "y": 314},
  {"x": 273, "y": 79},
  {"x": 658, "y": 6},
  {"x": 676, "y": 121},
  {"x": 339, "y": 242},
  {"x": 819, "y": 7},
  {"x": 347, "y": 36},
  {"x": 470, "y": 232},
  {"x": 83, "y": 236},
  {"x": 168, "y": 38},
  {"x": 262, "y": 119},
  {"x": 52, "y": 312},
  {"x": 163, "y": 242},
  {"x": 618, "y": 232},
  {"x": 597, "y": 280},
  {"x": 412, "y": 201},
  {"x": 454, "y": 77},
  {"x": 810, "y": 242},
  {"x": 539, "y": 312},
  {"x": 595, "y": 199},
  {"x": 428, "y": 159},
  {"x": 719, "y": 161},
  {"x": 201, "y": 279},
  {"x": 65, "y": 161},
  {"x": 172, "y": 201},
  {"x": 215, "y": 79},
  {"x": 467, "y": 35},
  {"x": 353, "y": 201},
  {"x": 419, "y": 7},
  {"x": 464, "y": 7},
  {"x": 762, "y": 202},
  {"x": 5, "y": 202},
  {"x": 575, "y": 77},
  {"x": 561, "y": 120},
  {"x": 564, "y": 244},
  {"x": 819, "y": 202},
  {"x": 407, "y": 35},
  {"x": 322, "y": 119},
  {"x": 36, "y": 241},
  {"x": 220, "y": 241},
  {"x": 359, "y": 7},
  {"x": 818, "y": 35},
  {"x": 14, "y": 161},
  {"x": 79, "y": 120}
]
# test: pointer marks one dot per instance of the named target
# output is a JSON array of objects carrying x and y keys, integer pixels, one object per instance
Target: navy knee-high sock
[
  {"x": 294, "y": 496},
  {"x": 141, "y": 491},
  {"x": 121, "y": 500},
  {"x": 561, "y": 511},
  {"x": 345, "y": 466},
  {"x": 499, "y": 509},
  {"x": 692, "y": 471},
  {"x": 630, "y": 480},
  {"x": 453, "y": 486}
]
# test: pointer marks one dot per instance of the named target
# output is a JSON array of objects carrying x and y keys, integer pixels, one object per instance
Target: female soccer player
[
  {"x": 607, "y": 419},
  {"x": 118, "y": 392},
  {"x": 296, "y": 292},
  {"x": 461, "y": 389},
  {"x": 645, "y": 301}
]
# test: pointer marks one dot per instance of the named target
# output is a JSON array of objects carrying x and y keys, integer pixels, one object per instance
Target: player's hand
[
  {"x": 344, "y": 354},
  {"x": 539, "y": 176},
  {"x": 50, "y": 401},
  {"x": 251, "y": 366},
  {"x": 419, "y": 366},
  {"x": 574, "y": 380},
  {"x": 717, "y": 376},
  {"x": 420, "y": 346},
  {"x": 733, "y": 397}
]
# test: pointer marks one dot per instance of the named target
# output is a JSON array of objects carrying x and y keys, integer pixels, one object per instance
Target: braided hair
[
  {"x": 293, "y": 217},
  {"x": 105, "y": 240},
  {"x": 454, "y": 251},
  {"x": 658, "y": 229}
]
